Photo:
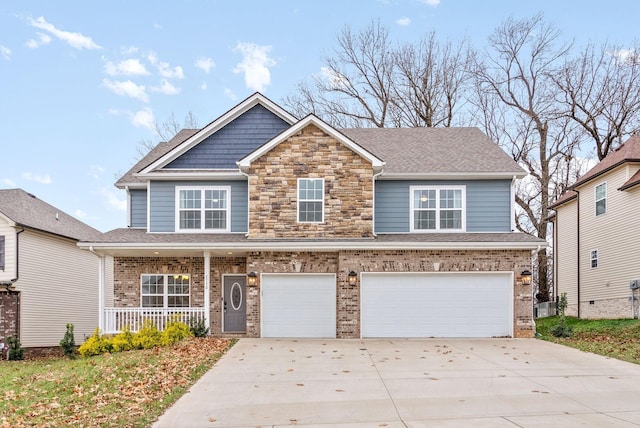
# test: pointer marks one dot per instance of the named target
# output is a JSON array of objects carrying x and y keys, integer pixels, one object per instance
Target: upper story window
[
  {"x": 165, "y": 291},
  {"x": 202, "y": 209},
  {"x": 2, "y": 253},
  {"x": 310, "y": 200},
  {"x": 438, "y": 209},
  {"x": 601, "y": 199},
  {"x": 594, "y": 259}
]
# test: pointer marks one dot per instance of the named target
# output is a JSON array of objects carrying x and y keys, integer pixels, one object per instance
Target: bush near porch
[{"x": 612, "y": 338}]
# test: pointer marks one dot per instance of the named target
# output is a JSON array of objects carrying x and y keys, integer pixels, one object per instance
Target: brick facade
[
  {"x": 9, "y": 307},
  {"x": 348, "y": 189},
  {"x": 128, "y": 271}
]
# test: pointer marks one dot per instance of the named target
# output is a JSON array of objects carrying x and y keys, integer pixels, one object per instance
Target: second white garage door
[
  {"x": 298, "y": 305},
  {"x": 437, "y": 305}
]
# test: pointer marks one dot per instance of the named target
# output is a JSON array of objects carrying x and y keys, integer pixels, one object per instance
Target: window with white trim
[
  {"x": 165, "y": 291},
  {"x": 601, "y": 199},
  {"x": 310, "y": 200},
  {"x": 437, "y": 208},
  {"x": 594, "y": 259},
  {"x": 202, "y": 209}
]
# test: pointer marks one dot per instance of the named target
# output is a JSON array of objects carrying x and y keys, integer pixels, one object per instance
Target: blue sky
[{"x": 82, "y": 82}]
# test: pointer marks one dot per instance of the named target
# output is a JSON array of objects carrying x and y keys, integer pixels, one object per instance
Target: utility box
[{"x": 634, "y": 284}]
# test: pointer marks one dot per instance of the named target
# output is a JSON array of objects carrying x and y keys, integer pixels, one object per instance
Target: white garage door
[
  {"x": 437, "y": 305},
  {"x": 298, "y": 305}
]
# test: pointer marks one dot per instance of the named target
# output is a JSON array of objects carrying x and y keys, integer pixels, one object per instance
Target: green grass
[
  {"x": 112, "y": 390},
  {"x": 612, "y": 338}
]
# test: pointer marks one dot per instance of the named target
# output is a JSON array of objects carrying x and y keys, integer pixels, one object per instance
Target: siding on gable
[
  {"x": 138, "y": 208},
  {"x": 233, "y": 142},
  {"x": 488, "y": 204},
  {"x": 566, "y": 254},
  {"x": 163, "y": 203}
]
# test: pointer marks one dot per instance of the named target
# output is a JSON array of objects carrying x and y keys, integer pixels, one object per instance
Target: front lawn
[
  {"x": 116, "y": 390},
  {"x": 612, "y": 338}
]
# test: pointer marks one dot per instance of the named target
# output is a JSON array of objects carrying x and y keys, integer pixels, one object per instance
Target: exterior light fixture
[
  {"x": 352, "y": 278},
  {"x": 525, "y": 276},
  {"x": 252, "y": 279}
]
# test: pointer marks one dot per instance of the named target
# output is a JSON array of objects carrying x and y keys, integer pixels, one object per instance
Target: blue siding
[
  {"x": 233, "y": 142},
  {"x": 488, "y": 204},
  {"x": 163, "y": 203},
  {"x": 138, "y": 208}
]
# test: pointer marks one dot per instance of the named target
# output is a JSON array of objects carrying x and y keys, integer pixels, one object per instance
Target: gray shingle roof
[
  {"x": 628, "y": 152},
  {"x": 434, "y": 150},
  {"x": 26, "y": 210}
]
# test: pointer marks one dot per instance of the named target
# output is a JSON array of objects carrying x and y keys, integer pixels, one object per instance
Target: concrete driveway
[{"x": 410, "y": 383}]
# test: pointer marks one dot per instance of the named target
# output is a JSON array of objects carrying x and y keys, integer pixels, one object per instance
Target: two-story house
[
  {"x": 596, "y": 247},
  {"x": 266, "y": 225},
  {"x": 46, "y": 281}
]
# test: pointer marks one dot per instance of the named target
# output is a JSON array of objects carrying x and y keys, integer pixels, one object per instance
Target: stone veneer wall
[
  {"x": 348, "y": 192},
  {"x": 606, "y": 308}
]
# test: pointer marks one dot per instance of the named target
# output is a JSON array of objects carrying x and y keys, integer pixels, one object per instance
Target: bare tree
[
  {"x": 165, "y": 131},
  {"x": 516, "y": 104},
  {"x": 600, "y": 91}
]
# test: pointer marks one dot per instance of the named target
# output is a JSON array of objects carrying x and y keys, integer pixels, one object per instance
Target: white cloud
[
  {"x": 8, "y": 182},
  {"x": 42, "y": 179},
  {"x": 80, "y": 214},
  {"x": 433, "y": 3},
  {"x": 334, "y": 79},
  {"x": 629, "y": 56},
  {"x": 111, "y": 199},
  {"x": 203, "y": 86},
  {"x": 128, "y": 50},
  {"x": 143, "y": 119},
  {"x": 128, "y": 67},
  {"x": 167, "y": 88},
  {"x": 43, "y": 39},
  {"x": 205, "y": 64},
  {"x": 95, "y": 171},
  {"x": 76, "y": 40},
  {"x": 230, "y": 94},
  {"x": 127, "y": 88},
  {"x": 165, "y": 69},
  {"x": 5, "y": 52},
  {"x": 404, "y": 21},
  {"x": 255, "y": 65}
]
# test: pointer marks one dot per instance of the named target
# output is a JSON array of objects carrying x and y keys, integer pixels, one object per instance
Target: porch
[{"x": 115, "y": 319}]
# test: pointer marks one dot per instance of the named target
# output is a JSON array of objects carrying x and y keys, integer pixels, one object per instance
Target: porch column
[
  {"x": 207, "y": 289},
  {"x": 101, "y": 269}
]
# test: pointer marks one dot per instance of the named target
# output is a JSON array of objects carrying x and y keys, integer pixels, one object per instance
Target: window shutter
[{"x": 1, "y": 252}]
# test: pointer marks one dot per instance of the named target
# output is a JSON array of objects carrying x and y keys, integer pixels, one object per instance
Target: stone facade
[
  {"x": 348, "y": 189},
  {"x": 9, "y": 307}
]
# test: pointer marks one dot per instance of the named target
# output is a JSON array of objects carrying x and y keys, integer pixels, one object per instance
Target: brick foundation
[
  {"x": 9, "y": 307},
  {"x": 607, "y": 308}
]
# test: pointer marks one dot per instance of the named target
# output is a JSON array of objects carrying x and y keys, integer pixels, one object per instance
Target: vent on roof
[{"x": 32, "y": 195}]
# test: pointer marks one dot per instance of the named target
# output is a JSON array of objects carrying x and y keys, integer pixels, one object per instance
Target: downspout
[
  {"x": 373, "y": 225},
  {"x": 101, "y": 269},
  {"x": 578, "y": 246}
]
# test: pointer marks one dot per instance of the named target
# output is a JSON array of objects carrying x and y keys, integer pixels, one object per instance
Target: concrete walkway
[{"x": 410, "y": 383}]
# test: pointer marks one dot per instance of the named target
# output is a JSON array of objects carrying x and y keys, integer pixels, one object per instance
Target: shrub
[
  {"x": 147, "y": 337},
  {"x": 96, "y": 344},
  {"x": 175, "y": 332},
  {"x": 123, "y": 341},
  {"x": 198, "y": 328},
  {"x": 562, "y": 329},
  {"x": 16, "y": 351},
  {"x": 68, "y": 343}
]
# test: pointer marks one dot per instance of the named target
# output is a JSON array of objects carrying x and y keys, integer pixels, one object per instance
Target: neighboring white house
[{"x": 46, "y": 281}]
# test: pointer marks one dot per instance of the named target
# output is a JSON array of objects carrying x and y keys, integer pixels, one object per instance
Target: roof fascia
[
  {"x": 217, "y": 124},
  {"x": 610, "y": 168},
  {"x": 244, "y": 163}
]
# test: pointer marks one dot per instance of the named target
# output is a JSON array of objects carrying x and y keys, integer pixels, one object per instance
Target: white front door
[
  {"x": 446, "y": 304},
  {"x": 298, "y": 305}
]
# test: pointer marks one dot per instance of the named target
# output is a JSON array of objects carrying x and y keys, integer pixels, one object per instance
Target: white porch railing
[{"x": 115, "y": 319}]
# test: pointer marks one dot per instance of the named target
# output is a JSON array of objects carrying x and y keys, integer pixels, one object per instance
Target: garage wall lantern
[
  {"x": 525, "y": 277},
  {"x": 252, "y": 279},
  {"x": 352, "y": 278}
]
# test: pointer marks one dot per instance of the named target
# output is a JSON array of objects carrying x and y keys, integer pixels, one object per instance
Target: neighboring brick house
[
  {"x": 265, "y": 225},
  {"x": 46, "y": 281},
  {"x": 596, "y": 246}
]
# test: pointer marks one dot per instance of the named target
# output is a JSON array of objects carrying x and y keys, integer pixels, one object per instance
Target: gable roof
[
  {"x": 567, "y": 196},
  {"x": 24, "y": 209},
  {"x": 634, "y": 180},
  {"x": 628, "y": 152},
  {"x": 217, "y": 124},
  {"x": 436, "y": 152},
  {"x": 376, "y": 162}
]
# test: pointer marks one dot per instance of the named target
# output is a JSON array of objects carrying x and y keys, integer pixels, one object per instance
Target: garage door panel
[
  {"x": 298, "y": 305},
  {"x": 436, "y": 305}
]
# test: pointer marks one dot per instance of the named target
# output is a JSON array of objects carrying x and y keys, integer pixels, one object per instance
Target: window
[
  {"x": 1, "y": 252},
  {"x": 594, "y": 259},
  {"x": 437, "y": 209},
  {"x": 601, "y": 199},
  {"x": 310, "y": 200},
  {"x": 202, "y": 209},
  {"x": 165, "y": 291}
]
